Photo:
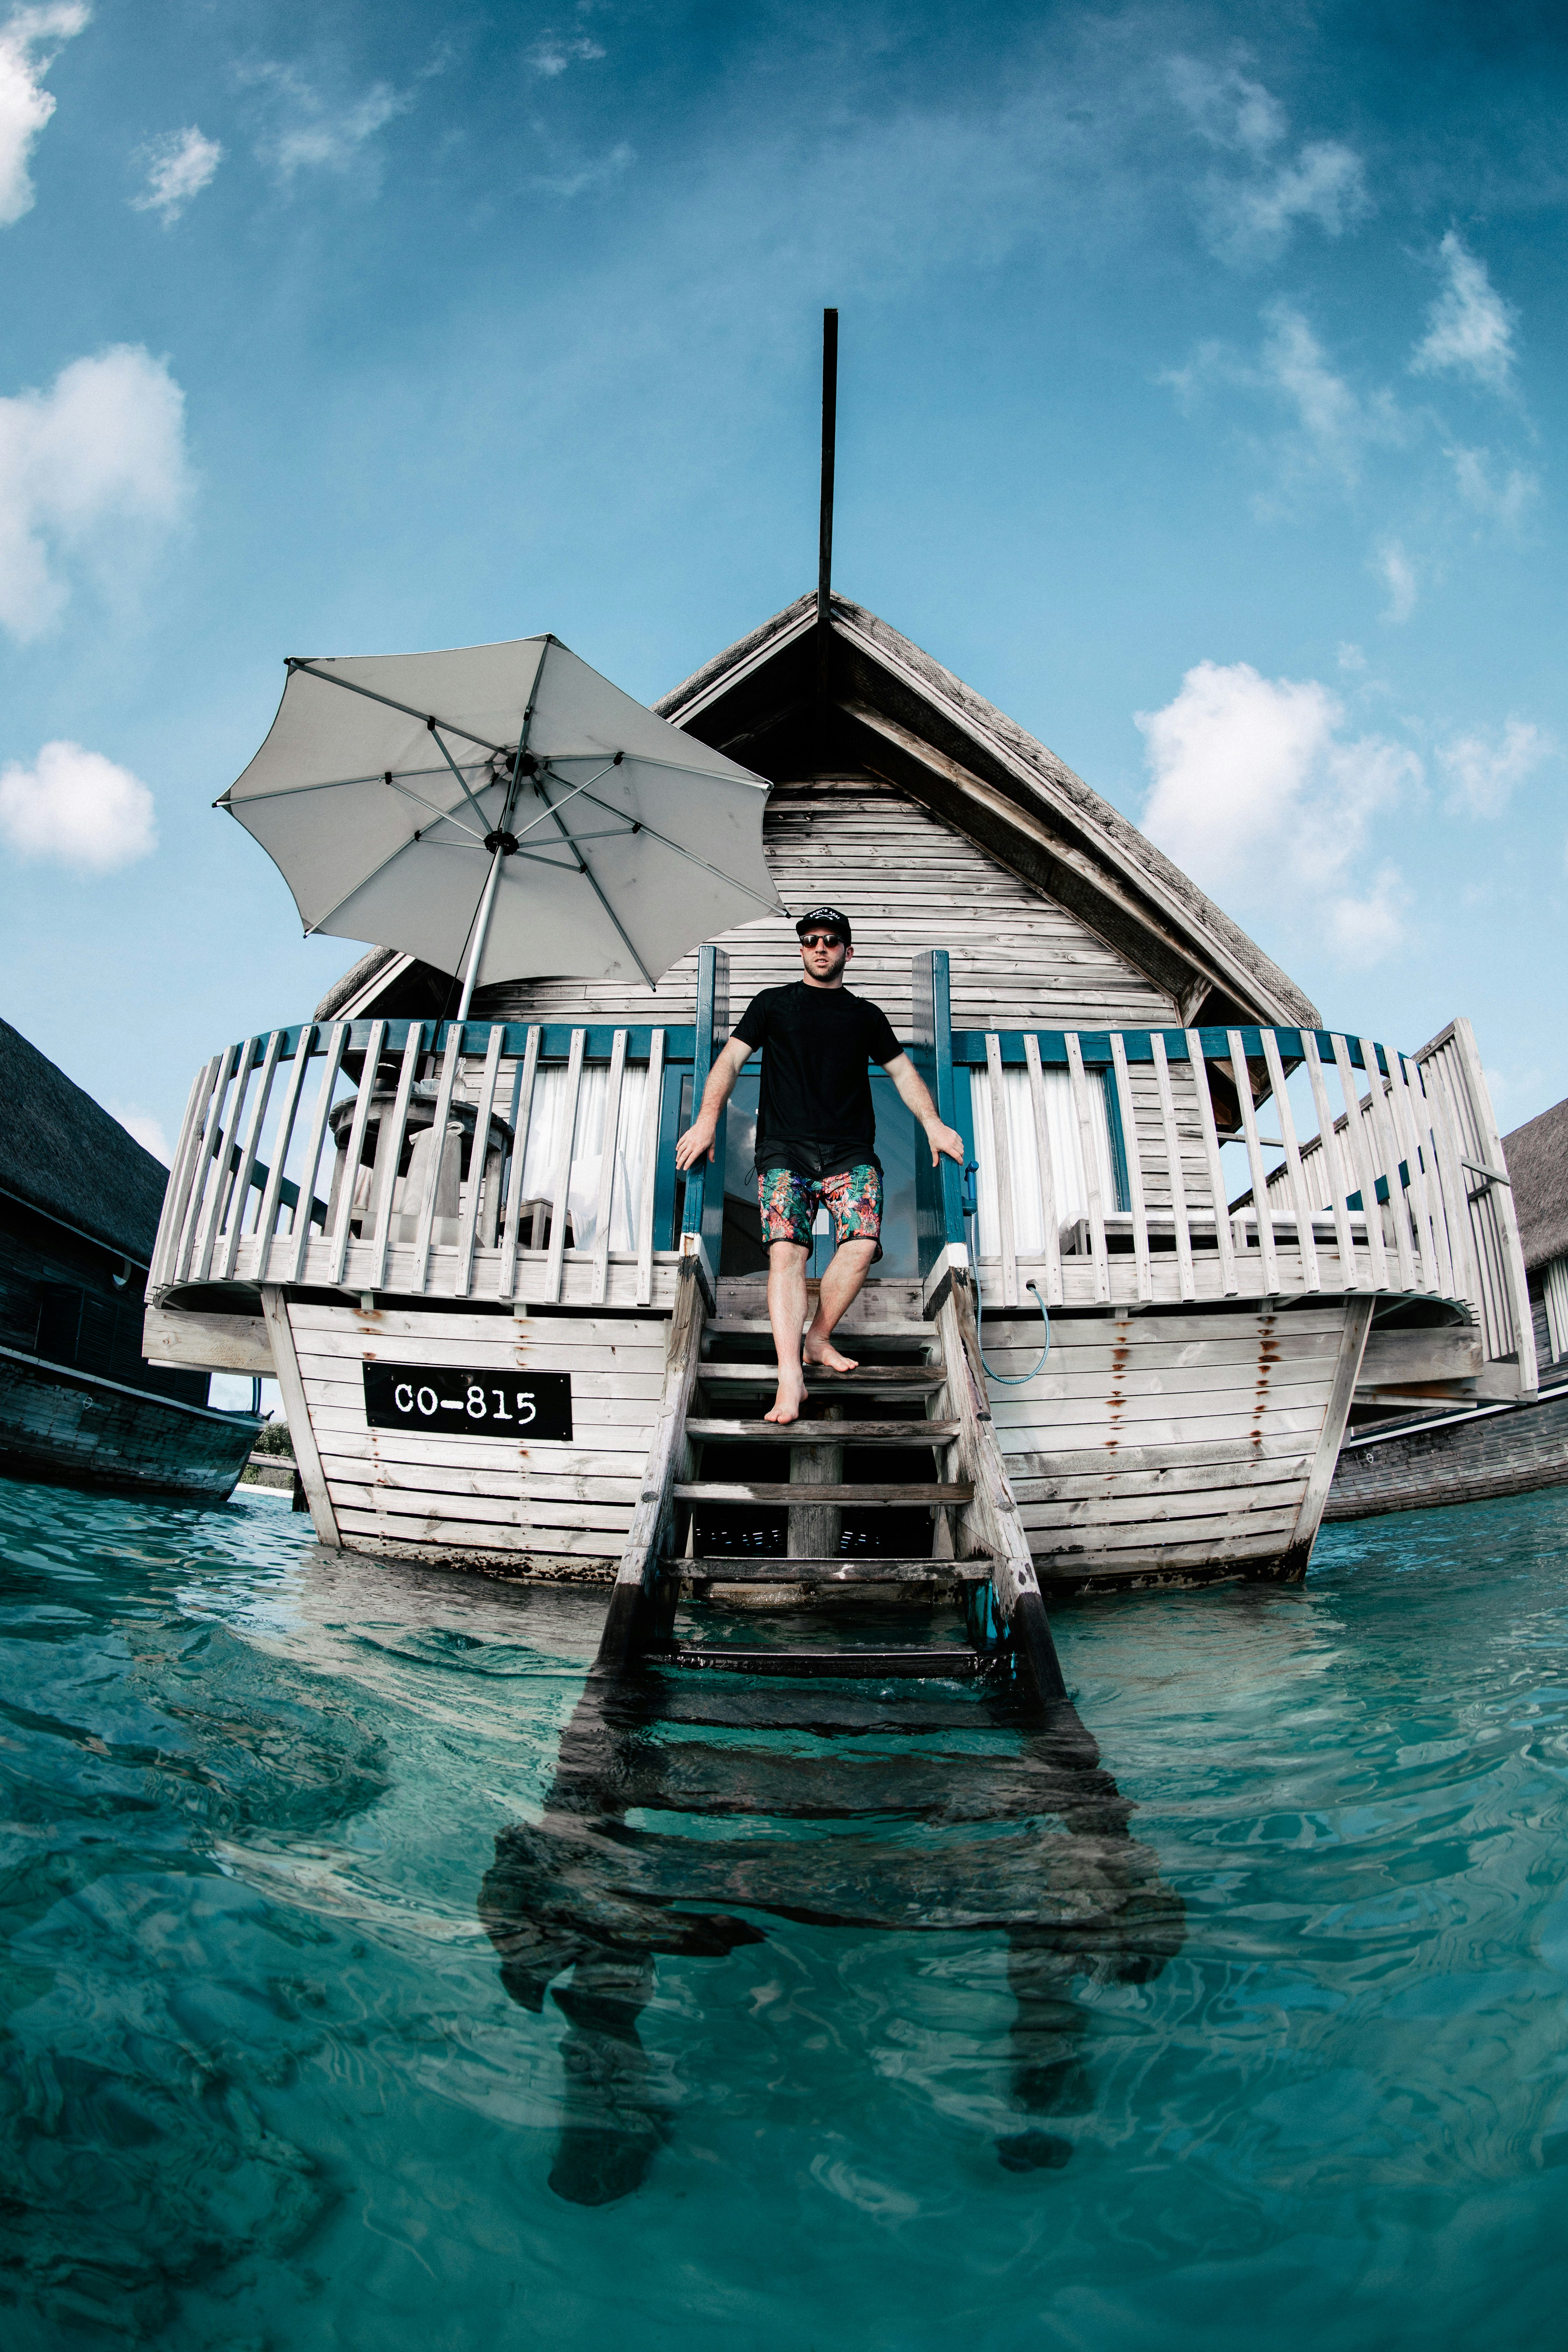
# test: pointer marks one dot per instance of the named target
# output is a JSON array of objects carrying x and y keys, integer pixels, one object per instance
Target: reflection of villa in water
[{"x": 1243, "y": 1225}]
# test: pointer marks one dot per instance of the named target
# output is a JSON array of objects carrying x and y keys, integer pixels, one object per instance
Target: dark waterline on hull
[{"x": 264, "y": 2080}]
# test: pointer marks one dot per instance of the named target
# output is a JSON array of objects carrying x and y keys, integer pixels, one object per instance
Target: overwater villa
[{"x": 511, "y": 1337}]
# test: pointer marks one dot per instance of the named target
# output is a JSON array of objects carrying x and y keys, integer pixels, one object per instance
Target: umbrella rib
[
  {"x": 551, "y": 807},
  {"x": 717, "y": 872},
  {"x": 406, "y": 707},
  {"x": 676, "y": 766},
  {"x": 326, "y": 784},
  {"x": 587, "y": 876},
  {"x": 462, "y": 785},
  {"x": 442, "y": 816}
]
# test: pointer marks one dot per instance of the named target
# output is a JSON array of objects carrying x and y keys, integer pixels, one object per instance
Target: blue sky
[{"x": 1201, "y": 403}]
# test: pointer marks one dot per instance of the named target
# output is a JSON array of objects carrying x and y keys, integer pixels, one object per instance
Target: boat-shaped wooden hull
[{"x": 59, "y": 1423}]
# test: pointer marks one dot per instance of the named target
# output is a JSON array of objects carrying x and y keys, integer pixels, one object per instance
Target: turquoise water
[{"x": 261, "y": 2084}]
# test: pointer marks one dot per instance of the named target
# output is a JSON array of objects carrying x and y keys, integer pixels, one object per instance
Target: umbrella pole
[{"x": 481, "y": 925}]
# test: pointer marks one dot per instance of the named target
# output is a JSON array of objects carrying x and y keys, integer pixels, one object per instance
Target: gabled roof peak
[{"x": 894, "y": 710}]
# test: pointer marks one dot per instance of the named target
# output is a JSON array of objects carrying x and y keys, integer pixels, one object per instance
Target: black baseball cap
[{"x": 840, "y": 922}]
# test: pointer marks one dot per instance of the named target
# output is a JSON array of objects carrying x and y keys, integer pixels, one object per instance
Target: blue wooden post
[
  {"x": 704, "y": 1213},
  {"x": 938, "y": 1198}
]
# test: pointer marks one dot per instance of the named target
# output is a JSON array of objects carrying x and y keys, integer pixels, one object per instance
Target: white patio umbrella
[{"x": 501, "y": 811}]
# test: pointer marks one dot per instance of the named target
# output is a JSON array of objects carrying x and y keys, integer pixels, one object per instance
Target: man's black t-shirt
[{"x": 814, "y": 1108}]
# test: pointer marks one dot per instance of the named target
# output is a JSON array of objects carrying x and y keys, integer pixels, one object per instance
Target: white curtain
[
  {"x": 546, "y": 1120},
  {"x": 1066, "y": 1150}
]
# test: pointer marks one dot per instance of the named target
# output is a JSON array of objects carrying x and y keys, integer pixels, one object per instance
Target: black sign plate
[{"x": 468, "y": 1404}]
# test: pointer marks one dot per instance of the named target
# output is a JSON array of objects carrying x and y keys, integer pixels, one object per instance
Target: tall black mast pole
[{"x": 825, "y": 533}]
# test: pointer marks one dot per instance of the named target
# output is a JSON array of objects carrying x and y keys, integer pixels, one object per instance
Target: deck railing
[
  {"x": 505, "y": 1161},
  {"x": 534, "y": 1163},
  {"x": 1101, "y": 1168}
]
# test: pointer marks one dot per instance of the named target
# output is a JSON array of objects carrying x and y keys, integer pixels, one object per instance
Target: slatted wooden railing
[
  {"x": 311, "y": 1156},
  {"x": 1102, "y": 1181}
]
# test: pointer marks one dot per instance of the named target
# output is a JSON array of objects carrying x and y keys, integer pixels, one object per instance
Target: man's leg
[
  {"x": 786, "y": 1313},
  {"x": 850, "y": 1265}
]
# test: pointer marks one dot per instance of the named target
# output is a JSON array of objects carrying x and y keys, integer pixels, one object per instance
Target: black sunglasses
[{"x": 821, "y": 939}]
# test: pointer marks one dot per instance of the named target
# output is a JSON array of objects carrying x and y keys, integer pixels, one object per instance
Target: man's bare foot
[
  {"x": 786, "y": 1405},
  {"x": 823, "y": 1352}
]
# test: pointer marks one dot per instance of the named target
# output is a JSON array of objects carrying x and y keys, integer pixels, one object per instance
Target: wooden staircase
[{"x": 714, "y": 1530}]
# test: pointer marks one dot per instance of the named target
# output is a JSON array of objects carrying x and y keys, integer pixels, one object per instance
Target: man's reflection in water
[{"x": 1076, "y": 1894}]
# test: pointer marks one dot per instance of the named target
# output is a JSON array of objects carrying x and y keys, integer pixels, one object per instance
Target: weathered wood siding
[
  {"x": 555, "y": 1500},
  {"x": 1163, "y": 1442},
  {"x": 1512, "y": 1450},
  {"x": 907, "y": 881}
]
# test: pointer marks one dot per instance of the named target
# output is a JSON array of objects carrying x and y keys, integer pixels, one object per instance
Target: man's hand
[
  {"x": 697, "y": 1143},
  {"x": 943, "y": 1139}
]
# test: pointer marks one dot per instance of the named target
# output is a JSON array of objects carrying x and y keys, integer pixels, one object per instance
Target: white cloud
[
  {"x": 1362, "y": 931},
  {"x": 147, "y": 1129},
  {"x": 1397, "y": 574},
  {"x": 1333, "y": 424},
  {"x": 1482, "y": 774},
  {"x": 1502, "y": 500},
  {"x": 1226, "y": 109},
  {"x": 1259, "y": 794},
  {"x": 30, "y": 41},
  {"x": 92, "y": 470},
  {"x": 76, "y": 808},
  {"x": 551, "y": 54},
  {"x": 1251, "y": 212},
  {"x": 590, "y": 175},
  {"x": 179, "y": 164},
  {"x": 315, "y": 134},
  {"x": 1470, "y": 327},
  {"x": 1351, "y": 660}
]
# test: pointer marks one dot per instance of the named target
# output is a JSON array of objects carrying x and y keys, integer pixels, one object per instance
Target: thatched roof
[
  {"x": 1537, "y": 1157},
  {"x": 62, "y": 1153},
  {"x": 894, "y": 713}
]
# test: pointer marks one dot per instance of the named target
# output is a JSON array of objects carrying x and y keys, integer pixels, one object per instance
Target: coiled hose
[{"x": 970, "y": 1221}]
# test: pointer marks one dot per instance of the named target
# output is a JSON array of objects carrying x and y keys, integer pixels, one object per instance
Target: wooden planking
[
  {"x": 451, "y": 1062},
  {"x": 339, "y": 1245},
  {"x": 608, "y": 1165},
  {"x": 1135, "y": 1171},
  {"x": 1301, "y": 1199},
  {"x": 1088, "y": 1144},
  {"x": 1174, "y": 1172},
  {"x": 1116, "y": 1485},
  {"x": 437, "y": 1530},
  {"x": 1360, "y": 1163},
  {"x": 1339, "y": 1190},
  {"x": 331, "y": 1063},
  {"x": 521, "y": 1112},
  {"x": 1212, "y": 1169},
  {"x": 1018, "y": 958},
  {"x": 1260, "y": 1204},
  {"x": 653, "y": 1097},
  {"x": 1053, "y": 1254},
  {"x": 388, "y": 1151},
  {"x": 282, "y": 1141},
  {"x": 1386, "y": 1149},
  {"x": 1003, "y": 1163},
  {"x": 560, "y": 1196},
  {"x": 479, "y": 1157}
]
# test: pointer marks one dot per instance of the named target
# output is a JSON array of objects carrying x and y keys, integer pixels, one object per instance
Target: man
[{"x": 816, "y": 1139}]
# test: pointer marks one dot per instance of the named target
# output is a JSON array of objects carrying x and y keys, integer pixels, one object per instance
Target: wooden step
[
  {"x": 895, "y": 1379},
  {"x": 742, "y": 1490},
  {"x": 816, "y": 1432},
  {"x": 849, "y": 1339},
  {"x": 864, "y": 1665},
  {"x": 747, "y": 1567}
]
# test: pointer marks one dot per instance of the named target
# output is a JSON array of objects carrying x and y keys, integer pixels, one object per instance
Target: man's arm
[
  {"x": 913, "y": 1090},
  {"x": 697, "y": 1143}
]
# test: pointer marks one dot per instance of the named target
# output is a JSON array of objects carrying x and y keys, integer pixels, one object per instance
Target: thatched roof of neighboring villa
[
  {"x": 61, "y": 1153},
  {"x": 1537, "y": 1157}
]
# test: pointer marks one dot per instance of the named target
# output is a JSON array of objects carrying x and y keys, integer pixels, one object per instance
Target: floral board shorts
[{"x": 853, "y": 1199}]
